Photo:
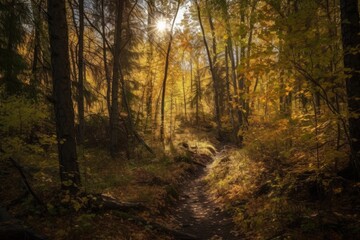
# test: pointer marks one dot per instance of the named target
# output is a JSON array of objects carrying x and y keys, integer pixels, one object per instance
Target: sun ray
[{"x": 161, "y": 25}]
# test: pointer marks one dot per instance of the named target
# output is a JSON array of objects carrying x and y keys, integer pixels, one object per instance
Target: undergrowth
[
  {"x": 283, "y": 183},
  {"x": 153, "y": 181}
]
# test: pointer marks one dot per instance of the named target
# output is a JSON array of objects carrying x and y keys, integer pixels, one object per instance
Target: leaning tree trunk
[
  {"x": 64, "y": 112},
  {"x": 213, "y": 73},
  {"x": 351, "y": 40}
]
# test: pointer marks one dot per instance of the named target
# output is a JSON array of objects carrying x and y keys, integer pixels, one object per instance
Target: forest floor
[
  {"x": 196, "y": 211},
  {"x": 200, "y": 188},
  {"x": 198, "y": 214}
]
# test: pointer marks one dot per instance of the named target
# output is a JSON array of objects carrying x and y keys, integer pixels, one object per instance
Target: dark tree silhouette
[
  {"x": 64, "y": 111},
  {"x": 351, "y": 40}
]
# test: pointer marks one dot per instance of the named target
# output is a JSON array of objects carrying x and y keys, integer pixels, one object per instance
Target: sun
[{"x": 161, "y": 25}]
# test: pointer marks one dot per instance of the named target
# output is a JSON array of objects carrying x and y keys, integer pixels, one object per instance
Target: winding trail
[{"x": 199, "y": 215}]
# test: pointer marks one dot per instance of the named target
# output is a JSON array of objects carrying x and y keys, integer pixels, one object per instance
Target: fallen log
[{"x": 110, "y": 203}]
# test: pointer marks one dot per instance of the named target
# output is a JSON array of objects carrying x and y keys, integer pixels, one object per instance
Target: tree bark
[
  {"x": 105, "y": 61},
  {"x": 64, "y": 112},
  {"x": 183, "y": 88},
  {"x": 114, "y": 116},
  {"x": 229, "y": 99},
  {"x": 198, "y": 92},
  {"x": 213, "y": 74},
  {"x": 351, "y": 40},
  {"x": 81, "y": 74},
  {"x": 162, "y": 124},
  {"x": 150, "y": 56},
  {"x": 184, "y": 96},
  {"x": 237, "y": 93}
]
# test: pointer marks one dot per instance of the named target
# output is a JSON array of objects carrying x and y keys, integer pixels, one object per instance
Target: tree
[
  {"x": 40, "y": 66},
  {"x": 64, "y": 112},
  {"x": 13, "y": 14},
  {"x": 162, "y": 127},
  {"x": 81, "y": 73},
  {"x": 351, "y": 41},
  {"x": 114, "y": 114},
  {"x": 213, "y": 73}
]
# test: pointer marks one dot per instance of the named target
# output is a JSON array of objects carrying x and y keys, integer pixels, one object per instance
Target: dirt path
[{"x": 200, "y": 216}]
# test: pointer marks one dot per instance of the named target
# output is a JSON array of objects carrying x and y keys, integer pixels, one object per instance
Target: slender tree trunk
[
  {"x": 81, "y": 74},
  {"x": 114, "y": 116},
  {"x": 213, "y": 74},
  {"x": 64, "y": 112},
  {"x": 150, "y": 56},
  {"x": 230, "y": 53},
  {"x": 184, "y": 95},
  {"x": 191, "y": 77},
  {"x": 105, "y": 62},
  {"x": 183, "y": 86},
  {"x": 162, "y": 124},
  {"x": 248, "y": 54},
  {"x": 35, "y": 81},
  {"x": 213, "y": 36},
  {"x": 171, "y": 110},
  {"x": 229, "y": 95},
  {"x": 197, "y": 81},
  {"x": 351, "y": 40},
  {"x": 242, "y": 53}
]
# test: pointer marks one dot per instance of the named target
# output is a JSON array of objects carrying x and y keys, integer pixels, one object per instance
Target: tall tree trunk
[
  {"x": 162, "y": 127},
  {"x": 171, "y": 108},
  {"x": 184, "y": 95},
  {"x": 36, "y": 12},
  {"x": 229, "y": 99},
  {"x": 64, "y": 112},
  {"x": 351, "y": 40},
  {"x": 183, "y": 86},
  {"x": 150, "y": 55},
  {"x": 197, "y": 88},
  {"x": 105, "y": 62},
  {"x": 213, "y": 36},
  {"x": 243, "y": 5},
  {"x": 213, "y": 74},
  {"x": 191, "y": 77},
  {"x": 81, "y": 74},
  {"x": 248, "y": 54},
  {"x": 230, "y": 53},
  {"x": 34, "y": 69},
  {"x": 114, "y": 116}
]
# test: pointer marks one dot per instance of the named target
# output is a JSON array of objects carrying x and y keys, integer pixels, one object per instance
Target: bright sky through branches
[{"x": 161, "y": 25}]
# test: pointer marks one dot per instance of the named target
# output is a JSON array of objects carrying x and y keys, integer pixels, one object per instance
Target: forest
[{"x": 179, "y": 119}]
